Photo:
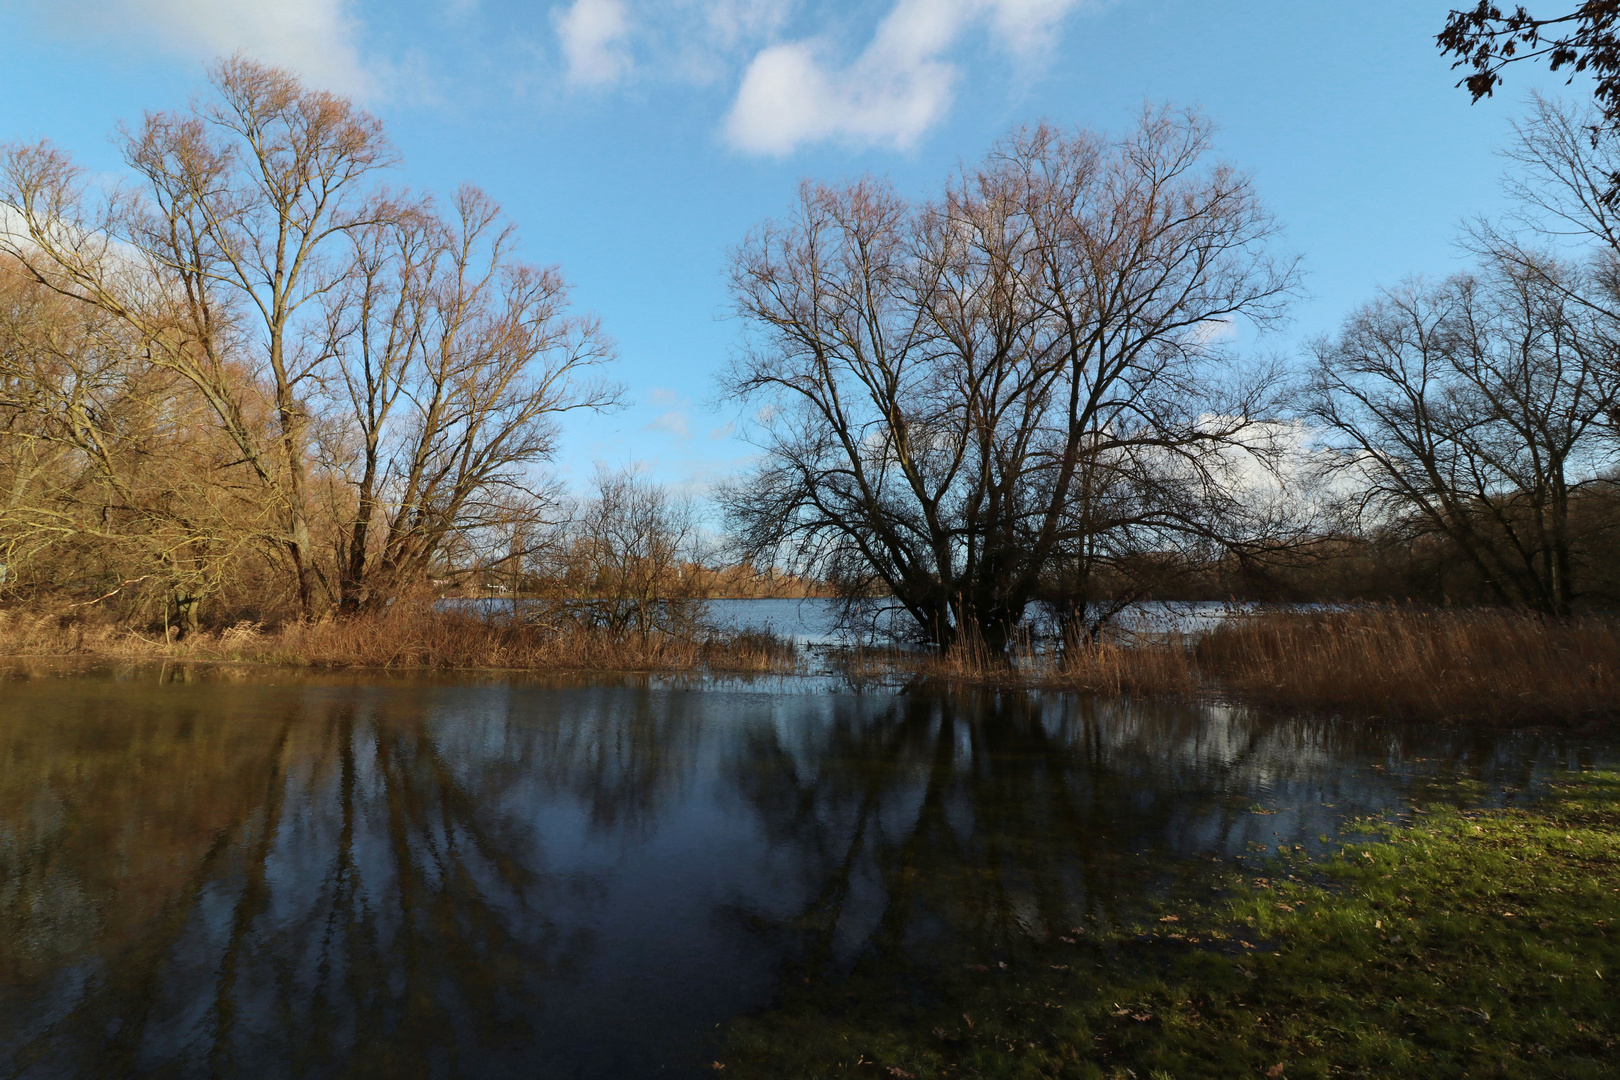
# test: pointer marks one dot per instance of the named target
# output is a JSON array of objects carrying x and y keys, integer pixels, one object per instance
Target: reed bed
[
  {"x": 1136, "y": 665},
  {"x": 1404, "y": 663},
  {"x": 1420, "y": 664},
  {"x": 31, "y": 633},
  {"x": 406, "y": 638}
]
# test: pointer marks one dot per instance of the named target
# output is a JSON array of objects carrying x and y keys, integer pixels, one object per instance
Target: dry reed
[
  {"x": 1420, "y": 664},
  {"x": 1138, "y": 665},
  {"x": 1486, "y": 667},
  {"x": 405, "y": 637}
]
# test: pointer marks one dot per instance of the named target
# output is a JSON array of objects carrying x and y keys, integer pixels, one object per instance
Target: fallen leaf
[
  {"x": 1171, "y": 918},
  {"x": 1141, "y": 1018},
  {"x": 1276, "y": 1070}
]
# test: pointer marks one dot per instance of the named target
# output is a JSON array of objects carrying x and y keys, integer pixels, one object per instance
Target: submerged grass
[{"x": 1480, "y": 944}]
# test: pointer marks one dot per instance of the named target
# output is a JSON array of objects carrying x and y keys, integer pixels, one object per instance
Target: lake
[
  {"x": 234, "y": 872},
  {"x": 815, "y": 622}
]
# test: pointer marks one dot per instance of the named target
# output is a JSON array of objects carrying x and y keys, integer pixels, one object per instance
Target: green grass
[{"x": 1467, "y": 944}]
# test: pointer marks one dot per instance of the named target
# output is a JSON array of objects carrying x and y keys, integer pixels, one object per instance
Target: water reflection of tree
[
  {"x": 387, "y": 917},
  {"x": 619, "y": 749},
  {"x": 962, "y": 826},
  {"x": 355, "y": 881},
  {"x": 324, "y": 895}
]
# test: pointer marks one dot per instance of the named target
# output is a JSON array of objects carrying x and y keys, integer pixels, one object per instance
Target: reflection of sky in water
[
  {"x": 441, "y": 878},
  {"x": 816, "y": 622}
]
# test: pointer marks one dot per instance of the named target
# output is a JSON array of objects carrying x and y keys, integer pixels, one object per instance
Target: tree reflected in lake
[
  {"x": 357, "y": 878},
  {"x": 957, "y": 827}
]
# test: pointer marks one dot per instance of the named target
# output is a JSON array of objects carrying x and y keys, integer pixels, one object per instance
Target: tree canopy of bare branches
[
  {"x": 455, "y": 363},
  {"x": 1475, "y": 407},
  {"x": 387, "y": 375},
  {"x": 626, "y": 563},
  {"x": 1485, "y": 408},
  {"x": 969, "y": 402}
]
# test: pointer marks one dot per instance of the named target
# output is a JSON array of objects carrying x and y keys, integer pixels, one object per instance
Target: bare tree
[
  {"x": 1583, "y": 39},
  {"x": 1475, "y": 409},
  {"x": 1486, "y": 408},
  {"x": 360, "y": 354},
  {"x": 622, "y": 564},
  {"x": 112, "y": 477},
  {"x": 220, "y": 258},
  {"x": 957, "y": 398},
  {"x": 456, "y": 362}
]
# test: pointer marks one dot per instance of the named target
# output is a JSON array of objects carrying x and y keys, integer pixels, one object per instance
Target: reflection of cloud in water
[{"x": 432, "y": 877}]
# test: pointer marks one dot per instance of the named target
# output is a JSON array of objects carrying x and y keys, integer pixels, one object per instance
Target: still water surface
[
  {"x": 235, "y": 874},
  {"x": 819, "y": 622}
]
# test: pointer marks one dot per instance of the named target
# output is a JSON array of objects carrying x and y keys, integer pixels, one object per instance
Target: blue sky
[{"x": 633, "y": 141}]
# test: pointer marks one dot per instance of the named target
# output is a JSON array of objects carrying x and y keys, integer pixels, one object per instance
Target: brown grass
[
  {"x": 403, "y": 638},
  {"x": 1139, "y": 666},
  {"x": 1421, "y": 664},
  {"x": 1486, "y": 667}
]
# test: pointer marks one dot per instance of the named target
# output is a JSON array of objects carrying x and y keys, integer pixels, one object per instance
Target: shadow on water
[{"x": 278, "y": 877}]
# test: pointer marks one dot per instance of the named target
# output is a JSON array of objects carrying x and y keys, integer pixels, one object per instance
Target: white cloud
[
  {"x": 734, "y": 22},
  {"x": 319, "y": 39},
  {"x": 893, "y": 92},
  {"x": 1214, "y": 331},
  {"x": 1028, "y": 26},
  {"x": 594, "y": 36},
  {"x": 673, "y": 423},
  {"x": 900, "y": 85}
]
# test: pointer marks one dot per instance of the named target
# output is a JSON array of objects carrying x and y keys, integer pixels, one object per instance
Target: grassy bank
[{"x": 1481, "y": 944}]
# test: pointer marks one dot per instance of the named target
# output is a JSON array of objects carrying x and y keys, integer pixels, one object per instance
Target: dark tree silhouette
[
  {"x": 1583, "y": 41},
  {"x": 1484, "y": 41}
]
